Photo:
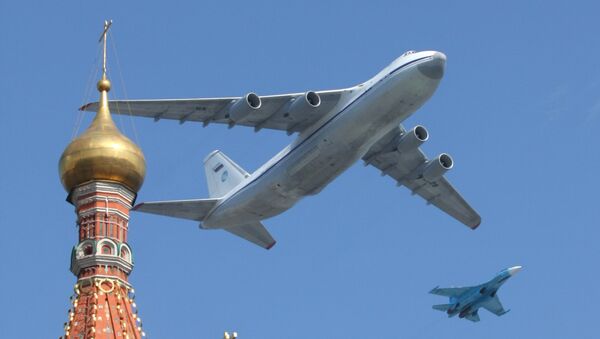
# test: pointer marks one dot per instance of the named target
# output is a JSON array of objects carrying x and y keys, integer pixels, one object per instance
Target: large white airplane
[{"x": 336, "y": 128}]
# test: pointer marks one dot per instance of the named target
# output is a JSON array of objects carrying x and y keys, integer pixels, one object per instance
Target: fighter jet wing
[
  {"x": 474, "y": 317},
  {"x": 288, "y": 112},
  {"x": 407, "y": 167},
  {"x": 493, "y": 305},
  {"x": 450, "y": 291}
]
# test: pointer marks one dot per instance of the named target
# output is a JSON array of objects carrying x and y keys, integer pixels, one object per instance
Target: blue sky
[{"x": 518, "y": 108}]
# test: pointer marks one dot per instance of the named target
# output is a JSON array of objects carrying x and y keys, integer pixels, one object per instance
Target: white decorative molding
[
  {"x": 100, "y": 260},
  {"x": 102, "y": 186},
  {"x": 103, "y": 241},
  {"x": 95, "y": 210},
  {"x": 91, "y": 279}
]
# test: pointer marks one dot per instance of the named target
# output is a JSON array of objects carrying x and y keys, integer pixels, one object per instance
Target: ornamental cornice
[
  {"x": 102, "y": 186},
  {"x": 103, "y": 198},
  {"x": 77, "y": 264},
  {"x": 99, "y": 277},
  {"x": 95, "y": 210}
]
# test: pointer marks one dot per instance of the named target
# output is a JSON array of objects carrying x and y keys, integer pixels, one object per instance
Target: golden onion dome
[{"x": 102, "y": 152}]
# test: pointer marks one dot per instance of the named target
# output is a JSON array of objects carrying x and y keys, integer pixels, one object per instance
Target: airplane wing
[
  {"x": 287, "y": 112},
  {"x": 493, "y": 305},
  {"x": 450, "y": 291},
  {"x": 474, "y": 317},
  {"x": 407, "y": 167}
]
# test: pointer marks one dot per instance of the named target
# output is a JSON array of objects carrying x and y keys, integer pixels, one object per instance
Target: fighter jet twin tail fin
[{"x": 222, "y": 175}]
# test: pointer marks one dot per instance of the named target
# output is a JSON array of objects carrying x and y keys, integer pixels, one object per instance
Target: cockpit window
[{"x": 408, "y": 53}]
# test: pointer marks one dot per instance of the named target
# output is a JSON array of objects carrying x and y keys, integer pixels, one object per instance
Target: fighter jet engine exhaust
[
  {"x": 310, "y": 100},
  {"x": 412, "y": 139},
  {"x": 437, "y": 167},
  {"x": 244, "y": 106}
]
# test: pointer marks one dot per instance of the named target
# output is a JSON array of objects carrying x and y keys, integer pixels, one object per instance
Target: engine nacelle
[
  {"x": 435, "y": 168},
  {"x": 244, "y": 106},
  {"x": 412, "y": 139},
  {"x": 303, "y": 104}
]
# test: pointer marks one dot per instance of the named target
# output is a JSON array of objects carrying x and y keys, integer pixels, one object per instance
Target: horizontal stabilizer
[
  {"x": 254, "y": 232},
  {"x": 196, "y": 209},
  {"x": 442, "y": 307}
]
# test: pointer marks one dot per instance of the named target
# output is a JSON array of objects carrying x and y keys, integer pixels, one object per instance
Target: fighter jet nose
[
  {"x": 514, "y": 270},
  {"x": 434, "y": 68}
]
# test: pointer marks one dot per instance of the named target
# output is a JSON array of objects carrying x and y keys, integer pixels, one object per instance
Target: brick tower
[{"x": 102, "y": 170}]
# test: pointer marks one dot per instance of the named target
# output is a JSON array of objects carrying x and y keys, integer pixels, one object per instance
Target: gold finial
[
  {"x": 107, "y": 24},
  {"x": 104, "y": 83}
]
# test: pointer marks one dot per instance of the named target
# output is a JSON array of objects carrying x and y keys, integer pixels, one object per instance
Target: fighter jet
[
  {"x": 335, "y": 129},
  {"x": 466, "y": 301}
]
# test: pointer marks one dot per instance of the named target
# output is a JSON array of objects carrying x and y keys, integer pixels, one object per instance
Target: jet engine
[
  {"x": 412, "y": 139},
  {"x": 435, "y": 168},
  {"x": 302, "y": 104},
  {"x": 244, "y": 106}
]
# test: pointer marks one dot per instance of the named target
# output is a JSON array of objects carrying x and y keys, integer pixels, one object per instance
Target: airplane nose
[
  {"x": 434, "y": 68},
  {"x": 514, "y": 270}
]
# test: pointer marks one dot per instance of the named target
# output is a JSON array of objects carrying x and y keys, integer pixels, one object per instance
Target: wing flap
[
  {"x": 401, "y": 166},
  {"x": 445, "y": 197},
  {"x": 174, "y": 109}
]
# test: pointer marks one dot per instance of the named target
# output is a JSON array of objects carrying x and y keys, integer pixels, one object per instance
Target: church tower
[{"x": 102, "y": 171}]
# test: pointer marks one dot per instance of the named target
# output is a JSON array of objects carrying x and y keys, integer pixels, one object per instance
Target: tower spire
[
  {"x": 102, "y": 170},
  {"x": 104, "y": 83},
  {"x": 107, "y": 24}
]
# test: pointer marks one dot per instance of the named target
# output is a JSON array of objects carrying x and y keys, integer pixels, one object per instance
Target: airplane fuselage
[
  {"x": 480, "y": 295},
  {"x": 364, "y": 114}
]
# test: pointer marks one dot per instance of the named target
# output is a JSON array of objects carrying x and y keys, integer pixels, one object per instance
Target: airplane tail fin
[
  {"x": 222, "y": 174},
  {"x": 254, "y": 232},
  {"x": 442, "y": 307},
  {"x": 196, "y": 209}
]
